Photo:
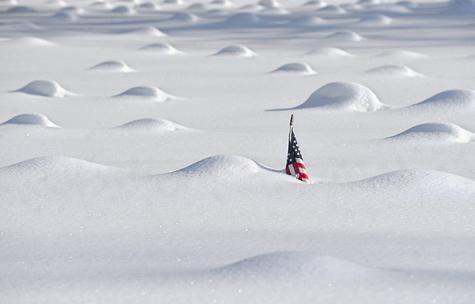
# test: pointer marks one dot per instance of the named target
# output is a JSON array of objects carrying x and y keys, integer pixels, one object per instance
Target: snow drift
[
  {"x": 236, "y": 51},
  {"x": 344, "y": 96},
  {"x": 145, "y": 92},
  {"x": 295, "y": 68},
  {"x": 436, "y": 132},
  {"x": 31, "y": 119},
  {"x": 152, "y": 125},
  {"x": 46, "y": 88},
  {"x": 113, "y": 66}
]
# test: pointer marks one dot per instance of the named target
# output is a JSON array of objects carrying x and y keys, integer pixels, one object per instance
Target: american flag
[{"x": 295, "y": 165}]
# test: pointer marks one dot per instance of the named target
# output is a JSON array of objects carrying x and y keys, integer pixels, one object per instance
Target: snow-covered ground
[{"x": 144, "y": 142}]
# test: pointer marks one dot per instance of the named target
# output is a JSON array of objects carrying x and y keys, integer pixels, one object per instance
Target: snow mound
[
  {"x": 236, "y": 51},
  {"x": 308, "y": 21},
  {"x": 149, "y": 6},
  {"x": 100, "y": 5},
  {"x": 375, "y": 20},
  {"x": 269, "y": 3},
  {"x": 65, "y": 16},
  {"x": 122, "y": 10},
  {"x": 20, "y": 10},
  {"x": 221, "y": 166},
  {"x": 184, "y": 17},
  {"x": 394, "y": 71},
  {"x": 162, "y": 48},
  {"x": 282, "y": 265},
  {"x": 328, "y": 52},
  {"x": 197, "y": 7},
  {"x": 344, "y": 96},
  {"x": 31, "y": 41},
  {"x": 45, "y": 88},
  {"x": 152, "y": 124},
  {"x": 73, "y": 9},
  {"x": 315, "y": 3},
  {"x": 448, "y": 100},
  {"x": 440, "y": 132},
  {"x": 31, "y": 119},
  {"x": 146, "y": 31},
  {"x": 347, "y": 36},
  {"x": 146, "y": 92},
  {"x": 429, "y": 180},
  {"x": 332, "y": 9},
  {"x": 295, "y": 68},
  {"x": 113, "y": 66},
  {"x": 52, "y": 164},
  {"x": 222, "y": 2},
  {"x": 243, "y": 19}
]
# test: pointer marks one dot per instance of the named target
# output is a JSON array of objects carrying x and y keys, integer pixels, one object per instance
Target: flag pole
[{"x": 291, "y": 127}]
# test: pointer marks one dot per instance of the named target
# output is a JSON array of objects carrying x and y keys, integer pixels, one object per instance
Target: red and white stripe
[{"x": 298, "y": 170}]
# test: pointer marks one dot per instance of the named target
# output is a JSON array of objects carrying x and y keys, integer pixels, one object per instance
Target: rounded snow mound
[
  {"x": 394, "y": 71},
  {"x": 31, "y": 119},
  {"x": 146, "y": 31},
  {"x": 149, "y": 6},
  {"x": 225, "y": 166},
  {"x": 308, "y": 21},
  {"x": 295, "y": 68},
  {"x": 222, "y": 2},
  {"x": 197, "y": 7},
  {"x": 51, "y": 164},
  {"x": 45, "y": 88},
  {"x": 152, "y": 124},
  {"x": 184, "y": 17},
  {"x": 375, "y": 20},
  {"x": 426, "y": 179},
  {"x": 345, "y": 36},
  {"x": 122, "y": 10},
  {"x": 31, "y": 41},
  {"x": 236, "y": 51},
  {"x": 332, "y": 9},
  {"x": 72, "y": 9},
  {"x": 440, "y": 132},
  {"x": 243, "y": 19},
  {"x": 100, "y": 5},
  {"x": 315, "y": 3},
  {"x": 303, "y": 264},
  {"x": 146, "y": 92},
  {"x": 113, "y": 66},
  {"x": 269, "y": 3},
  {"x": 162, "y": 48},
  {"x": 20, "y": 10},
  {"x": 328, "y": 52},
  {"x": 344, "y": 96},
  {"x": 65, "y": 16},
  {"x": 447, "y": 100},
  {"x": 402, "y": 54}
]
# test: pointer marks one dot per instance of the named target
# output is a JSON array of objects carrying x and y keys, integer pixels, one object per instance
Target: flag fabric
[{"x": 295, "y": 165}]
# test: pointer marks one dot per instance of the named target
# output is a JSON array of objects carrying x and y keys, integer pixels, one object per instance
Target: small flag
[{"x": 295, "y": 165}]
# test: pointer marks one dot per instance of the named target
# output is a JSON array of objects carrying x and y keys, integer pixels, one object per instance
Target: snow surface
[{"x": 144, "y": 144}]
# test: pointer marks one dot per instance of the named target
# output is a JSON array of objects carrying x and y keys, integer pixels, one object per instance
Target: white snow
[{"x": 144, "y": 144}]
